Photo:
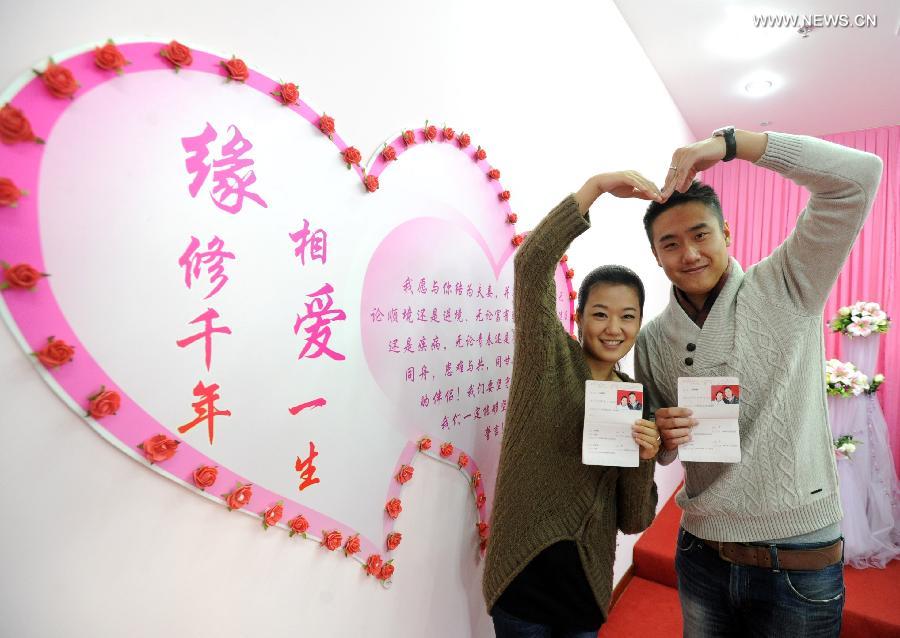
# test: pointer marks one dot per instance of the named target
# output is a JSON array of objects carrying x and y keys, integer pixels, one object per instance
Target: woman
[
  {"x": 623, "y": 404},
  {"x": 548, "y": 570},
  {"x": 720, "y": 398}
]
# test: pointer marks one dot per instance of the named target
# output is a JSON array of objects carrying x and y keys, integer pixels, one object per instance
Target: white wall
[{"x": 93, "y": 545}]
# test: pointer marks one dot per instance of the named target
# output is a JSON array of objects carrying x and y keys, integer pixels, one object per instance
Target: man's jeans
[{"x": 719, "y": 598}]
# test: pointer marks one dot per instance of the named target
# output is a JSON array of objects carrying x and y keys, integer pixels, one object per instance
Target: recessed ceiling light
[
  {"x": 766, "y": 123},
  {"x": 757, "y": 88},
  {"x": 759, "y": 83}
]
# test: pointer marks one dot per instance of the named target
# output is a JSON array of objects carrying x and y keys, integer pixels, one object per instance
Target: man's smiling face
[{"x": 691, "y": 247}]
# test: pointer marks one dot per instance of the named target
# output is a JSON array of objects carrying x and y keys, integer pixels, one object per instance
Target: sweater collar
[
  {"x": 699, "y": 315},
  {"x": 714, "y": 342}
]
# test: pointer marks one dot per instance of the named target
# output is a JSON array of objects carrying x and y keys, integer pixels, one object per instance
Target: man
[
  {"x": 759, "y": 550},
  {"x": 633, "y": 402},
  {"x": 730, "y": 399}
]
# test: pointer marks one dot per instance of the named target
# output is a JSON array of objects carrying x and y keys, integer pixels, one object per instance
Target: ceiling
[{"x": 835, "y": 79}]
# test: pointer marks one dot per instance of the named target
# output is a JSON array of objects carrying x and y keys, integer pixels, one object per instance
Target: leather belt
[{"x": 762, "y": 556}]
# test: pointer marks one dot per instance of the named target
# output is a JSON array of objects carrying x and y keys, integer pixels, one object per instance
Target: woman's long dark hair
[{"x": 610, "y": 274}]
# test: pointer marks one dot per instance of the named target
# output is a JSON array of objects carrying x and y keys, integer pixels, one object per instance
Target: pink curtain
[{"x": 761, "y": 208}]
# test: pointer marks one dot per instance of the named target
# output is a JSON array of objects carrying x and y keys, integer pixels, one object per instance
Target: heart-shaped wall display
[{"x": 230, "y": 305}]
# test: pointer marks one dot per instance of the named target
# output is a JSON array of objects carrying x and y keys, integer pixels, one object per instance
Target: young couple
[
  {"x": 759, "y": 550},
  {"x": 630, "y": 402}
]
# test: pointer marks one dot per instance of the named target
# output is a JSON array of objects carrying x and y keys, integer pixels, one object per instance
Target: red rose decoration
[
  {"x": 483, "y": 546},
  {"x": 517, "y": 240},
  {"x": 9, "y": 193},
  {"x": 351, "y": 156},
  {"x": 446, "y": 449},
  {"x": 239, "y": 496},
  {"x": 326, "y": 125},
  {"x": 237, "y": 70},
  {"x": 424, "y": 444},
  {"x": 430, "y": 132},
  {"x": 480, "y": 154},
  {"x": 464, "y": 140},
  {"x": 352, "y": 546},
  {"x": 387, "y": 570},
  {"x": 564, "y": 258},
  {"x": 205, "y": 476},
  {"x": 409, "y": 138},
  {"x": 15, "y": 127},
  {"x": 393, "y": 508},
  {"x": 272, "y": 515},
  {"x": 405, "y": 474},
  {"x": 512, "y": 218},
  {"x": 570, "y": 273},
  {"x": 504, "y": 196},
  {"x": 389, "y": 153},
  {"x": 331, "y": 540},
  {"x": 573, "y": 295},
  {"x": 393, "y": 540},
  {"x": 105, "y": 403},
  {"x": 476, "y": 479},
  {"x": 58, "y": 80},
  {"x": 463, "y": 459},
  {"x": 493, "y": 174},
  {"x": 288, "y": 93},
  {"x": 483, "y": 530},
  {"x": 373, "y": 565},
  {"x": 55, "y": 353},
  {"x": 109, "y": 58},
  {"x": 480, "y": 501},
  {"x": 298, "y": 525},
  {"x": 21, "y": 276},
  {"x": 159, "y": 448},
  {"x": 371, "y": 183},
  {"x": 177, "y": 54},
  {"x": 448, "y": 133}
]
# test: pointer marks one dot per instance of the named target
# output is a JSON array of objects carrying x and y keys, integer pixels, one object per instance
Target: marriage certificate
[{"x": 610, "y": 410}]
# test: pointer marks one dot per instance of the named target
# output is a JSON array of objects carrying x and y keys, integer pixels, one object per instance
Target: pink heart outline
[{"x": 32, "y": 317}]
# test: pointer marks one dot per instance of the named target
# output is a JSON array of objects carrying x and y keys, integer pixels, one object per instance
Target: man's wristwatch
[{"x": 727, "y": 132}]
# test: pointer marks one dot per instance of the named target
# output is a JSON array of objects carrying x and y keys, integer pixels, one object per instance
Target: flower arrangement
[
  {"x": 861, "y": 319},
  {"x": 845, "y": 446},
  {"x": 844, "y": 379}
]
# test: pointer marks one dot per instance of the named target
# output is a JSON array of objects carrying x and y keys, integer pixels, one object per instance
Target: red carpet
[{"x": 649, "y": 605}]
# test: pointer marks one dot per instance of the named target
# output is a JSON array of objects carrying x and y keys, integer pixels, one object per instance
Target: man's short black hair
[{"x": 698, "y": 192}]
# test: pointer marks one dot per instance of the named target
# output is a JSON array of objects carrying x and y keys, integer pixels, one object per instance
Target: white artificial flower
[
  {"x": 879, "y": 378},
  {"x": 848, "y": 448},
  {"x": 862, "y": 327},
  {"x": 844, "y": 311},
  {"x": 872, "y": 307},
  {"x": 840, "y": 375}
]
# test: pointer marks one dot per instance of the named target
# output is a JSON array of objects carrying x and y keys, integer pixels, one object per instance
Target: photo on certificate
[
  {"x": 725, "y": 394},
  {"x": 610, "y": 409},
  {"x": 630, "y": 400}
]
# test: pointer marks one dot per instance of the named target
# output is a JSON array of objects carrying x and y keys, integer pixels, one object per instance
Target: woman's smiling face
[{"x": 610, "y": 323}]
